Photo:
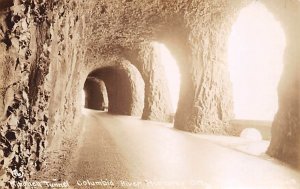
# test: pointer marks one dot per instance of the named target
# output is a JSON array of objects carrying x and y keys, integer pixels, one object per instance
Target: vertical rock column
[
  {"x": 205, "y": 103},
  {"x": 157, "y": 97},
  {"x": 24, "y": 60},
  {"x": 285, "y": 141}
]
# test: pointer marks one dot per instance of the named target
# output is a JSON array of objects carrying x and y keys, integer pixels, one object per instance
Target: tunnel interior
[
  {"x": 119, "y": 89},
  {"x": 237, "y": 85},
  {"x": 95, "y": 94}
]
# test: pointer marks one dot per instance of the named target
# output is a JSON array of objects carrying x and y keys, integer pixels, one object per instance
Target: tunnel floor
[{"x": 131, "y": 153}]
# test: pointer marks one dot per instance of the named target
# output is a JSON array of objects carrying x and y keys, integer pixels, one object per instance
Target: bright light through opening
[
  {"x": 171, "y": 71},
  {"x": 256, "y": 48}
]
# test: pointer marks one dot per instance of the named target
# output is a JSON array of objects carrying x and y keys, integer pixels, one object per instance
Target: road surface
[{"x": 126, "y": 152}]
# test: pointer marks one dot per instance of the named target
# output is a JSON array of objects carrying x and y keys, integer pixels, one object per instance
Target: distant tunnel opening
[
  {"x": 118, "y": 89},
  {"x": 95, "y": 94}
]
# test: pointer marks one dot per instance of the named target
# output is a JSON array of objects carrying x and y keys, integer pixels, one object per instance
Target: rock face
[
  {"x": 95, "y": 94},
  {"x": 205, "y": 103},
  {"x": 48, "y": 48},
  {"x": 285, "y": 142},
  {"x": 39, "y": 46},
  {"x": 125, "y": 88},
  {"x": 157, "y": 97}
]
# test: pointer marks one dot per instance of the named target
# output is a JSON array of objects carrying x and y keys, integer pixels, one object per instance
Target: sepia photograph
[{"x": 150, "y": 94}]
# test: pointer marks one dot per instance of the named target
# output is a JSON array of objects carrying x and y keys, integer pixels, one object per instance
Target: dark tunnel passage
[
  {"x": 95, "y": 94},
  {"x": 123, "y": 86}
]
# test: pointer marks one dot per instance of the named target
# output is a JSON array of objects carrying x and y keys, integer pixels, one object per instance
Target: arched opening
[
  {"x": 171, "y": 72},
  {"x": 256, "y": 47},
  {"x": 118, "y": 89},
  {"x": 95, "y": 94}
]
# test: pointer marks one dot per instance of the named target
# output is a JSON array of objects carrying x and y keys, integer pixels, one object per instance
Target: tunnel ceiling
[{"x": 120, "y": 24}]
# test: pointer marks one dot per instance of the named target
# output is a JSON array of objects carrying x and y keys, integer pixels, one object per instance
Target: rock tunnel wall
[
  {"x": 205, "y": 103},
  {"x": 125, "y": 88},
  {"x": 285, "y": 142},
  {"x": 157, "y": 97},
  {"x": 49, "y": 47},
  {"x": 201, "y": 55},
  {"x": 35, "y": 42},
  {"x": 95, "y": 94},
  {"x": 196, "y": 32}
]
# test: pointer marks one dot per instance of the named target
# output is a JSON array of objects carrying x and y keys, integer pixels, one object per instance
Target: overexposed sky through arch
[
  {"x": 171, "y": 72},
  {"x": 255, "y": 55}
]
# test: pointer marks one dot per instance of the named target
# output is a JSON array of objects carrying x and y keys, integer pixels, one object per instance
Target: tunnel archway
[
  {"x": 95, "y": 96},
  {"x": 256, "y": 48},
  {"x": 125, "y": 88}
]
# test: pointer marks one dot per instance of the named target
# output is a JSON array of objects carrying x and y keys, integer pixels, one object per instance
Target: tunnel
[
  {"x": 95, "y": 94},
  {"x": 150, "y": 94},
  {"x": 122, "y": 85}
]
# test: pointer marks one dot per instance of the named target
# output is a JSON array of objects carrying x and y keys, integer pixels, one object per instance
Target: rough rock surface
[
  {"x": 285, "y": 142},
  {"x": 49, "y": 47},
  {"x": 157, "y": 97},
  {"x": 35, "y": 42},
  {"x": 194, "y": 31}
]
